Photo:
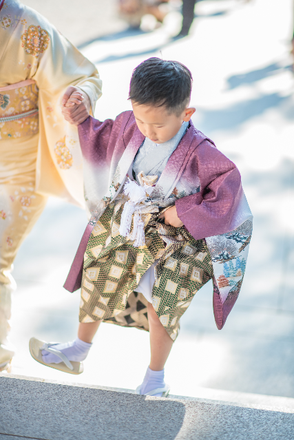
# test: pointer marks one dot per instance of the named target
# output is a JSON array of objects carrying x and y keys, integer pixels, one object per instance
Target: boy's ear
[{"x": 188, "y": 112}]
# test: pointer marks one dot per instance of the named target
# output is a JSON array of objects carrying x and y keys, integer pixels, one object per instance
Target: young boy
[{"x": 168, "y": 214}]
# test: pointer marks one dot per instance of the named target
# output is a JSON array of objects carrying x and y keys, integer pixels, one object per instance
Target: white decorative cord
[{"x": 137, "y": 194}]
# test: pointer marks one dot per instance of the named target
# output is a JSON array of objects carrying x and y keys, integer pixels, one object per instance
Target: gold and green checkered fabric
[{"x": 113, "y": 268}]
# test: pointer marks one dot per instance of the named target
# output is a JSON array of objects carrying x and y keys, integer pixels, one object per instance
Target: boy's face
[{"x": 157, "y": 124}]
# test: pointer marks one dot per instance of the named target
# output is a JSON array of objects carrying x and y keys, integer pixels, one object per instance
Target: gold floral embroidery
[
  {"x": 22, "y": 90},
  {"x": 35, "y": 40},
  {"x": 6, "y": 21},
  {"x": 25, "y": 201},
  {"x": 17, "y": 101},
  {"x": 63, "y": 155},
  {"x": 25, "y": 105},
  {"x": 34, "y": 126},
  {"x": 71, "y": 141}
]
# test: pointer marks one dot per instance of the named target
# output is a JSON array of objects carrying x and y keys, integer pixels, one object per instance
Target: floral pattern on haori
[
  {"x": 227, "y": 246},
  {"x": 178, "y": 194},
  {"x": 113, "y": 187},
  {"x": 35, "y": 40},
  {"x": 4, "y": 101},
  {"x": 229, "y": 254},
  {"x": 111, "y": 192},
  {"x": 63, "y": 155},
  {"x": 3, "y": 214}
]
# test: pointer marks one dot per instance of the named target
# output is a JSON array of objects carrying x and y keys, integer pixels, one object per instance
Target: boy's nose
[{"x": 150, "y": 133}]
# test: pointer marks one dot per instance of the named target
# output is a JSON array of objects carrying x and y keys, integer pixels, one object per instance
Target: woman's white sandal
[{"x": 36, "y": 346}]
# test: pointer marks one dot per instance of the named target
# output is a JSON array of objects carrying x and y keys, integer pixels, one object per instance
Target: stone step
[{"x": 43, "y": 410}]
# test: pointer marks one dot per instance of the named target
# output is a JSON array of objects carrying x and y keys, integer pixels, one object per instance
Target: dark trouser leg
[{"x": 188, "y": 15}]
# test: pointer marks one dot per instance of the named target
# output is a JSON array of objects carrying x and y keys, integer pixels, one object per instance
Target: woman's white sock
[
  {"x": 152, "y": 380},
  {"x": 76, "y": 351}
]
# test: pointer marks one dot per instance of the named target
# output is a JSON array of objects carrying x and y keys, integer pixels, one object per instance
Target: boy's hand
[
  {"x": 171, "y": 218},
  {"x": 75, "y": 105}
]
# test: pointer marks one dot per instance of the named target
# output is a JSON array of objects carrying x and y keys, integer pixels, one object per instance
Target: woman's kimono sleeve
[
  {"x": 31, "y": 48},
  {"x": 61, "y": 66}
]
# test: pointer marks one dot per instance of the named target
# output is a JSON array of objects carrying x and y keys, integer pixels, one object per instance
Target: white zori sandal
[
  {"x": 36, "y": 346},
  {"x": 165, "y": 391}
]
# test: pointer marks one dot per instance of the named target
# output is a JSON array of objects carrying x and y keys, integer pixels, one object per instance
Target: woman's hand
[
  {"x": 171, "y": 218},
  {"x": 75, "y": 105}
]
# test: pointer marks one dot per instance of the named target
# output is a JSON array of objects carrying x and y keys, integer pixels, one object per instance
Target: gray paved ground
[{"x": 239, "y": 54}]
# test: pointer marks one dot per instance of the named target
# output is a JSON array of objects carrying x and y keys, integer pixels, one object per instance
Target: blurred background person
[
  {"x": 188, "y": 16},
  {"x": 132, "y": 11}
]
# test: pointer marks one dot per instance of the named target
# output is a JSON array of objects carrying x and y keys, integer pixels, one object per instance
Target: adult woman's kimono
[
  {"x": 205, "y": 187},
  {"x": 39, "y": 151}
]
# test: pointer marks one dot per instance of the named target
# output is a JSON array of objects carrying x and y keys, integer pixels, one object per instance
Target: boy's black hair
[{"x": 159, "y": 83}]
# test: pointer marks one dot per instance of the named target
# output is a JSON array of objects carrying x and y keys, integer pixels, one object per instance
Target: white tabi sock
[
  {"x": 76, "y": 351},
  {"x": 152, "y": 380}
]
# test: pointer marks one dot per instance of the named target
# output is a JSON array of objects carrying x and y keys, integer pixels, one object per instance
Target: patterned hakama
[{"x": 113, "y": 268}]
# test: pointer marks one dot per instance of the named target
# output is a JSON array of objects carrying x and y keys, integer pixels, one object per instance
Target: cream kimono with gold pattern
[
  {"x": 32, "y": 49},
  {"x": 39, "y": 151}
]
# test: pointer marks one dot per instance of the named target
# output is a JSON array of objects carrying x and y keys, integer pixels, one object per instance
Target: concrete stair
[{"x": 39, "y": 409}]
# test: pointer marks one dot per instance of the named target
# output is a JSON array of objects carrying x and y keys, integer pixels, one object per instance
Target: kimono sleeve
[
  {"x": 102, "y": 144},
  {"x": 213, "y": 209},
  {"x": 61, "y": 65},
  {"x": 55, "y": 65}
]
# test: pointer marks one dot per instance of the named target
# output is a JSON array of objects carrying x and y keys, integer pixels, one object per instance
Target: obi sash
[{"x": 19, "y": 110}]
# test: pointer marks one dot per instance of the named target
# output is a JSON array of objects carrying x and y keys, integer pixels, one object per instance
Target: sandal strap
[
  {"x": 165, "y": 390},
  {"x": 48, "y": 347}
]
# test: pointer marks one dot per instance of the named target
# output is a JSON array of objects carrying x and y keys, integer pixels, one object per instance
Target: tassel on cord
[
  {"x": 137, "y": 233},
  {"x": 126, "y": 218},
  {"x": 136, "y": 218},
  {"x": 136, "y": 194},
  {"x": 140, "y": 236}
]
